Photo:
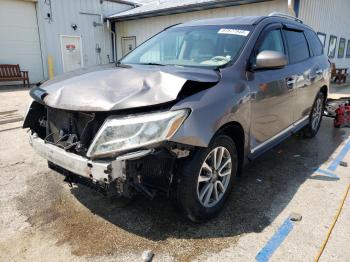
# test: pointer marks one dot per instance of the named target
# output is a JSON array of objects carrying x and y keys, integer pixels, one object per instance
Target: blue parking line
[
  {"x": 335, "y": 163},
  {"x": 325, "y": 172},
  {"x": 276, "y": 240}
]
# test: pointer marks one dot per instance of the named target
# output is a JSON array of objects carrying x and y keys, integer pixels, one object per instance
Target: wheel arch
[
  {"x": 324, "y": 90},
  {"x": 236, "y": 132}
]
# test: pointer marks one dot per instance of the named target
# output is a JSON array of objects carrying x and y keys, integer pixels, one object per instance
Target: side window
[
  {"x": 272, "y": 42},
  {"x": 297, "y": 46},
  {"x": 314, "y": 43}
]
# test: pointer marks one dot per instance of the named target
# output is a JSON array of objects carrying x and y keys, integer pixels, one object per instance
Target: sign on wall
[{"x": 72, "y": 55}]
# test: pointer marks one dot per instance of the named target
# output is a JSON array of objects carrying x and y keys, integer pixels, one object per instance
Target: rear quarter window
[
  {"x": 314, "y": 43},
  {"x": 298, "y": 49}
]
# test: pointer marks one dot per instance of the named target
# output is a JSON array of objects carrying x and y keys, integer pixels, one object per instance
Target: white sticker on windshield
[{"x": 233, "y": 31}]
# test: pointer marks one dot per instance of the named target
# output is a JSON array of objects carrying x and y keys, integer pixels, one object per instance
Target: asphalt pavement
[{"x": 43, "y": 219}]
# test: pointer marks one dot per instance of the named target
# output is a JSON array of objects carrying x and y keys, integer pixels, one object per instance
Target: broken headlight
[{"x": 125, "y": 133}]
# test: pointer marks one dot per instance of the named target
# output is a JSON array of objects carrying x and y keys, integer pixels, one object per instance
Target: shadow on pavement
[
  {"x": 267, "y": 186},
  {"x": 13, "y": 88}
]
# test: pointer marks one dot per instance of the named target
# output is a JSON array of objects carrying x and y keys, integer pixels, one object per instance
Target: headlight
[{"x": 124, "y": 133}]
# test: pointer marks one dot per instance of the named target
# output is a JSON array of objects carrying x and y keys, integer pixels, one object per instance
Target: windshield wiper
[
  {"x": 119, "y": 64},
  {"x": 151, "y": 63}
]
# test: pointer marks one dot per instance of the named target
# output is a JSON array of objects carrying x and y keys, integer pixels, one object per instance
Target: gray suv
[{"x": 182, "y": 113}]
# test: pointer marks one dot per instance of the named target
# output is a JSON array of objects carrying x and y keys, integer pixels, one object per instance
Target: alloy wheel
[
  {"x": 214, "y": 176},
  {"x": 317, "y": 113}
]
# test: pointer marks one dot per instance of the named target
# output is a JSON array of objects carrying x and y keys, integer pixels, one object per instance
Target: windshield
[{"x": 196, "y": 46}]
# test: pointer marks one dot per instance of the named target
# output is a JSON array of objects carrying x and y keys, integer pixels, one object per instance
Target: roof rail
[{"x": 286, "y": 16}]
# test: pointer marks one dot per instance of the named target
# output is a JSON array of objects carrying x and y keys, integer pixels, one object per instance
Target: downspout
[
  {"x": 291, "y": 8},
  {"x": 114, "y": 42},
  {"x": 111, "y": 29}
]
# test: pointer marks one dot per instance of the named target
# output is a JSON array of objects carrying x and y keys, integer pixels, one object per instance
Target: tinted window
[
  {"x": 272, "y": 42},
  {"x": 297, "y": 46},
  {"x": 315, "y": 43}
]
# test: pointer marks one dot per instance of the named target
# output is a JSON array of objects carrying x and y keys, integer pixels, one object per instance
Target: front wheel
[
  {"x": 315, "y": 118},
  {"x": 205, "y": 180}
]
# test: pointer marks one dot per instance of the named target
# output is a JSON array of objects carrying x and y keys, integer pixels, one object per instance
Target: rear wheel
[
  {"x": 205, "y": 180},
  {"x": 315, "y": 118}
]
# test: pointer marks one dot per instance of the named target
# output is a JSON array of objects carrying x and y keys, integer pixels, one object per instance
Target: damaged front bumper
[
  {"x": 97, "y": 171},
  {"x": 145, "y": 171}
]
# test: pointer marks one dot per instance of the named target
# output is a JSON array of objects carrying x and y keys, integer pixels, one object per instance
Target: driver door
[{"x": 272, "y": 93}]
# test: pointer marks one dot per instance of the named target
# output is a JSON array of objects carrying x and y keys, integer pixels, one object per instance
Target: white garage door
[{"x": 19, "y": 39}]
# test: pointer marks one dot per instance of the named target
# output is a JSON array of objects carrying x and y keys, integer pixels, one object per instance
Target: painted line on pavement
[
  {"x": 325, "y": 172},
  {"x": 275, "y": 241},
  {"x": 335, "y": 163}
]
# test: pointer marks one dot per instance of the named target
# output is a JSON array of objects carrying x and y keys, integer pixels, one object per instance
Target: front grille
[{"x": 70, "y": 130}]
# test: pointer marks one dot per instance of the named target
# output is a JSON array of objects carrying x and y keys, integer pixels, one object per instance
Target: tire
[
  {"x": 191, "y": 195},
  {"x": 315, "y": 118}
]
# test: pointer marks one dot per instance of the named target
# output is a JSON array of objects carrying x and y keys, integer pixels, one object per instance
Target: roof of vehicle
[
  {"x": 244, "y": 20},
  {"x": 237, "y": 20},
  {"x": 248, "y": 20}
]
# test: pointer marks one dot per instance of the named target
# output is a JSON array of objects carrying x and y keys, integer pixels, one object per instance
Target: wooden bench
[
  {"x": 339, "y": 74},
  {"x": 13, "y": 73}
]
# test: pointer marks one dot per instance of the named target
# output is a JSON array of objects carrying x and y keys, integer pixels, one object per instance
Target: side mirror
[{"x": 270, "y": 60}]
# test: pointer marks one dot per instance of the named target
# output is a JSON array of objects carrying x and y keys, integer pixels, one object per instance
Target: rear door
[
  {"x": 302, "y": 72},
  {"x": 273, "y": 98},
  {"x": 318, "y": 70}
]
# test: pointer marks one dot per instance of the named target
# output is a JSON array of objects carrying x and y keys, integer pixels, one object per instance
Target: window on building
[
  {"x": 332, "y": 46},
  {"x": 298, "y": 49},
  {"x": 341, "y": 48},
  {"x": 322, "y": 38},
  {"x": 314, "y": 42},
  {"x": 272, "y": 42},
  {"x": 348, "y": 50}
]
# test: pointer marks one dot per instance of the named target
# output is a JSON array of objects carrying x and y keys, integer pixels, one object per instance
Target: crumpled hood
[{"x": 113, "y": 88}]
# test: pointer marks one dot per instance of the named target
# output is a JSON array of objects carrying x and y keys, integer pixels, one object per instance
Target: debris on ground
[
  {"x": 258, "y": 180},
  {"x": 296, "y": 156},
  {"x": 339, "y": 110},
  {"x": 343, "y": 163},
  {"x": 295, "y": 217},
  {"x": 147, "y": 255}
]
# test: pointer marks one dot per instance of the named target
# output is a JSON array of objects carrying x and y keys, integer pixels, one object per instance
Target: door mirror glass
[{"x": 270, "y": 60}]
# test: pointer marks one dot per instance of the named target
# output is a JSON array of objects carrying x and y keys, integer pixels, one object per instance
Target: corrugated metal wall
[
  {"x": 330, "y": 18},
  {"x": 19, "y": 38},
  {"x": 147, "y": 27},
  {"x": 83, "y": 13}
]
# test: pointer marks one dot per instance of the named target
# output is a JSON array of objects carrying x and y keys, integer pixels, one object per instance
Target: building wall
[
  {"x": 83, "y": 13},
  {"x": 147, "y": 27},
  {"x": 19, "y": 38},
  {"x": 330, "y": 18}
]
